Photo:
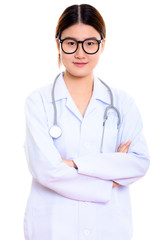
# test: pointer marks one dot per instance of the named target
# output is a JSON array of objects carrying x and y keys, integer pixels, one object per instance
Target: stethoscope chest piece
[{"x": 55, "y": 131}]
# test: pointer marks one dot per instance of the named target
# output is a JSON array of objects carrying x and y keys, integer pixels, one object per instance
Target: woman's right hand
[{"x": 124, "y": 147}]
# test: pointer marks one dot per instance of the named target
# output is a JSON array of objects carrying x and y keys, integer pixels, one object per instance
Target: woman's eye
[
  {"x": 71, "y": 43},
  {"x": 90, "y": 43}
]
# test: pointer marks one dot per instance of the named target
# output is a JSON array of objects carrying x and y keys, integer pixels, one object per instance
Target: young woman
[{"x": 81, "y": 177}]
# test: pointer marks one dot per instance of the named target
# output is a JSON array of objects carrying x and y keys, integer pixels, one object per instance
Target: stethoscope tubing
[
  {"x": 53, "y": 100},
  {"x": 111, "y": 106}
]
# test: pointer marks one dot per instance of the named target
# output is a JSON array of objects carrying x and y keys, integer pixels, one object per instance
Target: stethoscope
[{"x": 55, "y": 131}]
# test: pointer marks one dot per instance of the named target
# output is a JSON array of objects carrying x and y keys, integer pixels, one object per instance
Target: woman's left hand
[{"x": 124, "y": 147}]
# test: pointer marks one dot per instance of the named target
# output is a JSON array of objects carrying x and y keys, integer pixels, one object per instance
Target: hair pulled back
[{"x": 83, "y": 13}]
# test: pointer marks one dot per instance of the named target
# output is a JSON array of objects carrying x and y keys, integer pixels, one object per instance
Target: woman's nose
[{"x": 80, "y": 52}]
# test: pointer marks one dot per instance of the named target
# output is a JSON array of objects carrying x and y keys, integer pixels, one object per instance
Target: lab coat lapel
[
  {"x": 73, "y": 108},
  {"x": 91, "y": 106},
  {"x": 100, "y": 93}
]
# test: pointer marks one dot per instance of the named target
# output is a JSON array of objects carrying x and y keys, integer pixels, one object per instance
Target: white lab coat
[{"x": 70, "y": 204}]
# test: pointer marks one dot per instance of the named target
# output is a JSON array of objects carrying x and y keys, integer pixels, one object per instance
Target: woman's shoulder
[
  {"x": 41, "y": 93},
  {"x": 122, "y": 99},
  {"x": 121, "y": 94}
]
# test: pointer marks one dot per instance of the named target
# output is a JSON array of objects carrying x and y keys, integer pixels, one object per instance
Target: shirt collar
[{"x": 100, "y": 92}]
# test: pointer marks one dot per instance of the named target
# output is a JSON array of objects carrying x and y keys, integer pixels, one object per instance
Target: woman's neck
[{"x": 79, "y": 85}]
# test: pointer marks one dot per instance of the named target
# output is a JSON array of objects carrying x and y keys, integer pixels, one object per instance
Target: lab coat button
[
  {"x": 87, "y": 144},
  {"x": 86, "y": 232}
]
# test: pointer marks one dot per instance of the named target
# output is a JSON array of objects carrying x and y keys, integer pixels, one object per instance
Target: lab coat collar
[
  {"x": 61, "y": 90},
  {"x": 100, "y": 92}
]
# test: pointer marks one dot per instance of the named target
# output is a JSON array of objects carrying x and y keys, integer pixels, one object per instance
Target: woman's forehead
[{"x": 80, "y": 31}]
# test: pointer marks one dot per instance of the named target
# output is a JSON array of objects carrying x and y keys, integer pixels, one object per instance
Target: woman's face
[{"x": 80, "y": 64}]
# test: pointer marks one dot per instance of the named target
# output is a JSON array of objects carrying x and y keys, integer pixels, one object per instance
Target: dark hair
[{"x": 83, "y": 13}]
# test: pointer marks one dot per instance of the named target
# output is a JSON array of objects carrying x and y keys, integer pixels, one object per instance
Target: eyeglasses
[{"x": 89, "y": 45}]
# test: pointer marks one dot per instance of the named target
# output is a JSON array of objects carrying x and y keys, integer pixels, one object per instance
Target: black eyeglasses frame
[{"x": 82, "y": 42}]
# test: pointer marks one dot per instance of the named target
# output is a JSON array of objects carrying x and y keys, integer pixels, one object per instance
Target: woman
[{"x": 80, "y": 187}]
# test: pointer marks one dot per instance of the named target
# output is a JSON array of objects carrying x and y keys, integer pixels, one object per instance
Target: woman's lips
[{"x": 80, "y": 64}]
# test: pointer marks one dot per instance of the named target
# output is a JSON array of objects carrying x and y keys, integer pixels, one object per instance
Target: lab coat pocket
[
  {"x": 25, "y": 228},
  {"x": 54, "y": 222},
  {"x": 26, "y": 225},
  {"x": 42, "y": 223},
  {"x": 124, "y": 211}
]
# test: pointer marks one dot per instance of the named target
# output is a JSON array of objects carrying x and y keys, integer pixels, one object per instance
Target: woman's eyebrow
[{"x": 69, "y": 37}]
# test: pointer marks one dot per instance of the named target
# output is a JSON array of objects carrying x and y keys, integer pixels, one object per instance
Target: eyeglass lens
[{"x": 90, "y": 46}]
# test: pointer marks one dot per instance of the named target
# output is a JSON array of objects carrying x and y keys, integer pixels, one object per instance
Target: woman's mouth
[{"x": 80, "y": 64}]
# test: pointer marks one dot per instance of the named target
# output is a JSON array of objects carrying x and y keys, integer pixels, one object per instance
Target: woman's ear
[
  {"x": 103, "y": 45},
  {"x": 58, "y": 45},
  {"x": 59, "y": 53}
]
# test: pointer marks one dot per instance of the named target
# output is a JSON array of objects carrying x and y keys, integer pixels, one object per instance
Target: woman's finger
[
  {"x": 115, "y": 184},
  {"x": 121, "y": 146},
  {"x": 124, "y": 147}
]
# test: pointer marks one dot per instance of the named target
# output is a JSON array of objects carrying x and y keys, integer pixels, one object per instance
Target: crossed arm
[{"x": 123, "y": 148}]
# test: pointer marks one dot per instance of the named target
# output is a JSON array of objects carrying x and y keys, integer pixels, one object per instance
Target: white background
[{"x": 28, "y": 60}]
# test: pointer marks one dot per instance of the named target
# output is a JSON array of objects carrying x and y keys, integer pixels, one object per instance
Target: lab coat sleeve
[
  {"x": 123, "y": 168},
  {"x": 46, "y": 165}
]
